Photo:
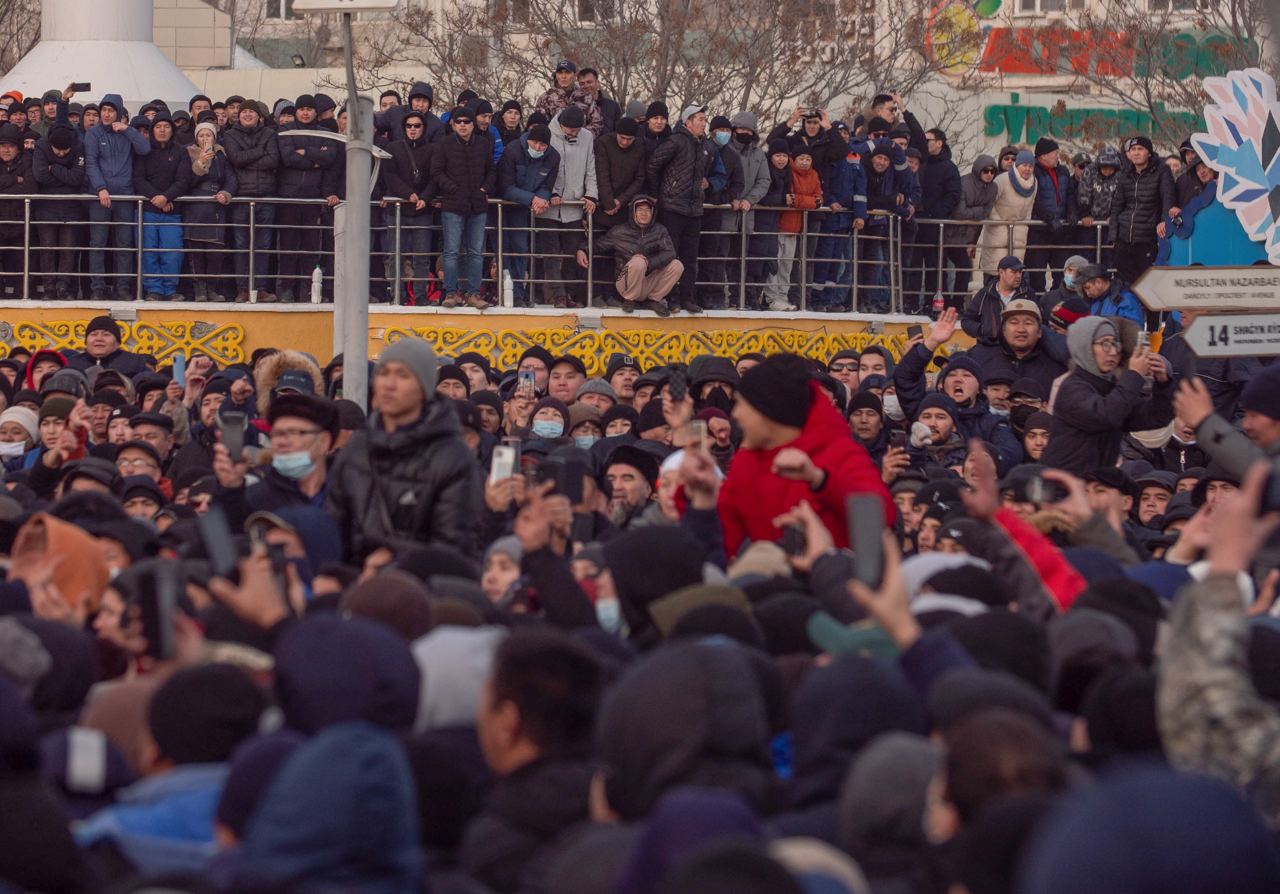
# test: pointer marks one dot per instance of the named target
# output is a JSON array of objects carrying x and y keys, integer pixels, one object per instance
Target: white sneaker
[{"x": 781, "y": 305}]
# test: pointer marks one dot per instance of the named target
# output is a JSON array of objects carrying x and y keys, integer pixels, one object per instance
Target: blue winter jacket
[
  {"x": 341, "y": 815},
  {"x": 847, "y": 185},
  {"x": 1119, "y": 302},
  {"x": 522, "y": 178},
  {"x": 1054, "y": 205},
  {"x": 162, "y": 824},
  {"x": 108, "y": 156}
]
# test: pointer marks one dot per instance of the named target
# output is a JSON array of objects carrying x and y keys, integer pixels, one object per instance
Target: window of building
[{"x": 281, "y": 9}]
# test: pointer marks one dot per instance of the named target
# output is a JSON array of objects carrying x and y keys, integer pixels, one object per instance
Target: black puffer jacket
[
  {"x": 676, "y": 171},
  {"x": 165, "y": 170},
  {"x": 507, "y": 845},
  {"x": 940, "y": 185},
  {"x": 463, "y": 174},
  {"x": 316, "y": 172},
  {"x": 419, "y": 484},
  {"x": 58, "y": 176},
  {"x": 626, "y": 240},
  {"x": 1141, "y": 201},
  {"x": 255, "y": 154},
  {"x": 619, "y": 174},
  {"x": 408, "y": 172}
]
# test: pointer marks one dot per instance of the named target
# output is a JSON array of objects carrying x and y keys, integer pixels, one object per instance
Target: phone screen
[
  {"x": 864, "y": 517},
  {"x": 915, "y": 331},
  {"x": 180, "y": 369},
  {"x": 504, "y": 463}
]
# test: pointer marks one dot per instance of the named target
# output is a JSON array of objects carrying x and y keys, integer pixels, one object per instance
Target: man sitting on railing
[{"x": 645, "y": 258}]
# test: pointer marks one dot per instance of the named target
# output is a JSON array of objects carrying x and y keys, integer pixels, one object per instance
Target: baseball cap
[
  {"x": 690, "y": 111},
  {"x": 1010, "y": 262},
  {"x": 1020, "y": 306},
  {"x": 566, "y": 65}
]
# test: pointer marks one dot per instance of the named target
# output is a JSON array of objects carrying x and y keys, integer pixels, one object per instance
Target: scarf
[{"x": 1025, "y": 188}]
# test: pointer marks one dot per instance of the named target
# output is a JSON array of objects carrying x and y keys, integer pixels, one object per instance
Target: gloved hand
[{"x": 921, "y": 436}]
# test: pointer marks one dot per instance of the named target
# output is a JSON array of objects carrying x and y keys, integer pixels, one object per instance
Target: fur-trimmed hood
[{"x": 270, "y": 370}]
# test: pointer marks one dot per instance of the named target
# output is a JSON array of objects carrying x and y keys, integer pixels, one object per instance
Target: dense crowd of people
[
  {"x": 995, "y": 620},
  {"x": 686, "y": 208}
]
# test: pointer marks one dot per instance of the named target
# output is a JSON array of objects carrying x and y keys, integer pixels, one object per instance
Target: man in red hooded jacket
[{"x": 795, "y": 447}]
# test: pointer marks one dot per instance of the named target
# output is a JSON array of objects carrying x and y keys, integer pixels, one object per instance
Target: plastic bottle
[
  {"x": 317, "y": 285},
  {"x": 938, "y": 304}
]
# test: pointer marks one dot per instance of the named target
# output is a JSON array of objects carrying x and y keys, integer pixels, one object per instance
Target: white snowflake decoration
[{"x": 1243, "y": 146}]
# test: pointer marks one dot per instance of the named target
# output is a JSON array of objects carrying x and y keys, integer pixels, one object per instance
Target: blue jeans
[
  {"x": 515, "y": 236},
  {"x": 415, "y": 244},
  {"x": 264, "y": 216},
  {"x": 463, "y": 235},
  {"x": 832, "y": 270},
  {"x": 114, "y": 225},
  {"x": 161, "y": 252},
  {"x": 873, "y": 274}
]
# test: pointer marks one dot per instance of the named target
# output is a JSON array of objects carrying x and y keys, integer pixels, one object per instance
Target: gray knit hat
[
  {"x": 417, "y": 355},
  {"x": 596, "y": 386}
]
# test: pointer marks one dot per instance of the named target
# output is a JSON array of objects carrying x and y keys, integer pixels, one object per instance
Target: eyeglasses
[
  {"x": 413, "y": 127},
  {"x": 988, "y": 171},
  {"x": 842, "y": 367},
  {"x": 123, "y": 464},
  {"x": 1108, "y": 345},
  {"x": 463, "y": 121}
]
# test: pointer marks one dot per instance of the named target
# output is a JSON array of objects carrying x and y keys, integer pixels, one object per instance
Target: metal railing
[{"x": 889, "y": 266}]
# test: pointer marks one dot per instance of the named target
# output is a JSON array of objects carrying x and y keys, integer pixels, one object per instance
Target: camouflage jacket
[
  {"x": 1211, "y": 718},
  {"x": 556, "y": 100}
]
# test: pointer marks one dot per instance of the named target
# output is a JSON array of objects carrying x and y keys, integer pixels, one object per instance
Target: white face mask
[
  {"x": 892, "y": 408},
  {"x": 998, "y": 411},
  {"x": 10, "y": 449}
]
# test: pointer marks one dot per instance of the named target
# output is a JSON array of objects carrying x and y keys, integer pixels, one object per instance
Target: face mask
[
  {"x": 722, "y": 137},
  {"x": 547, "y": 428},
  {"x": 584, "y": 441},
  {"x": 293, "y": 465},
  {"x": 893, "y": 409},
  {"x": 744, "y": 138},
  {"x": 10, "y": 449},
  {"x": 1069, "y": 280},
  {"x": 537, "y": 153},
  {"x": 996, "y": 411},
  {"x": 609, "y": 614},
  {"x": 718, "y": 400}
]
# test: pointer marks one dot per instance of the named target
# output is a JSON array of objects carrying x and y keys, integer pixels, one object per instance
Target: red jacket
[{"x": 753, "y": 496}]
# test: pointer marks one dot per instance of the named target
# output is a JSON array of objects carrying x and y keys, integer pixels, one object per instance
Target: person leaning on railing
[
  {"x": 15, "y": 179},
  {"x": 161, "y": 176},
  {"x": 110, "y": 148},
  {"x": 253, "y": 150},
  {"x": 214, "y": 182}
]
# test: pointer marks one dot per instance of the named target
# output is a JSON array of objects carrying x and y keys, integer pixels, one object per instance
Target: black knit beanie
[{"x": 778, "y": 388}]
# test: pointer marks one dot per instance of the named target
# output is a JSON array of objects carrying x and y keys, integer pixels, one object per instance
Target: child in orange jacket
[{"x": 806, "y": 194}]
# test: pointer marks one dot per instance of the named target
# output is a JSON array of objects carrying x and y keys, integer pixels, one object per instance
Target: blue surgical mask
[
  {"x": 293, "y": 465},
  {"x": 609, "y": 614},
  {"x": 722, "y": 137},
  {"x": 537, "y": 153},
  {"x": 547, "y": 428},
  {"x": 1069, "y": 280},
  {"x": 584, "y": 441}
]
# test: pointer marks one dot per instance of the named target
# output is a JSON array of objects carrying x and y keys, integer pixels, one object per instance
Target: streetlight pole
[{"x": 351, "y": 299}]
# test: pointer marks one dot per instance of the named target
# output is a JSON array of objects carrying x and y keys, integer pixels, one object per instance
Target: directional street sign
[
  {"x": 1235, "y": 335},
  {"x": 1210, "y": 288}
]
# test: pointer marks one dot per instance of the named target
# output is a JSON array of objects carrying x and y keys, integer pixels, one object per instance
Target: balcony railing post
[
  {"x": 26, "y": 250},
  {"x": 397, "y": 278},
  {"x": 138, "y": 241}
]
